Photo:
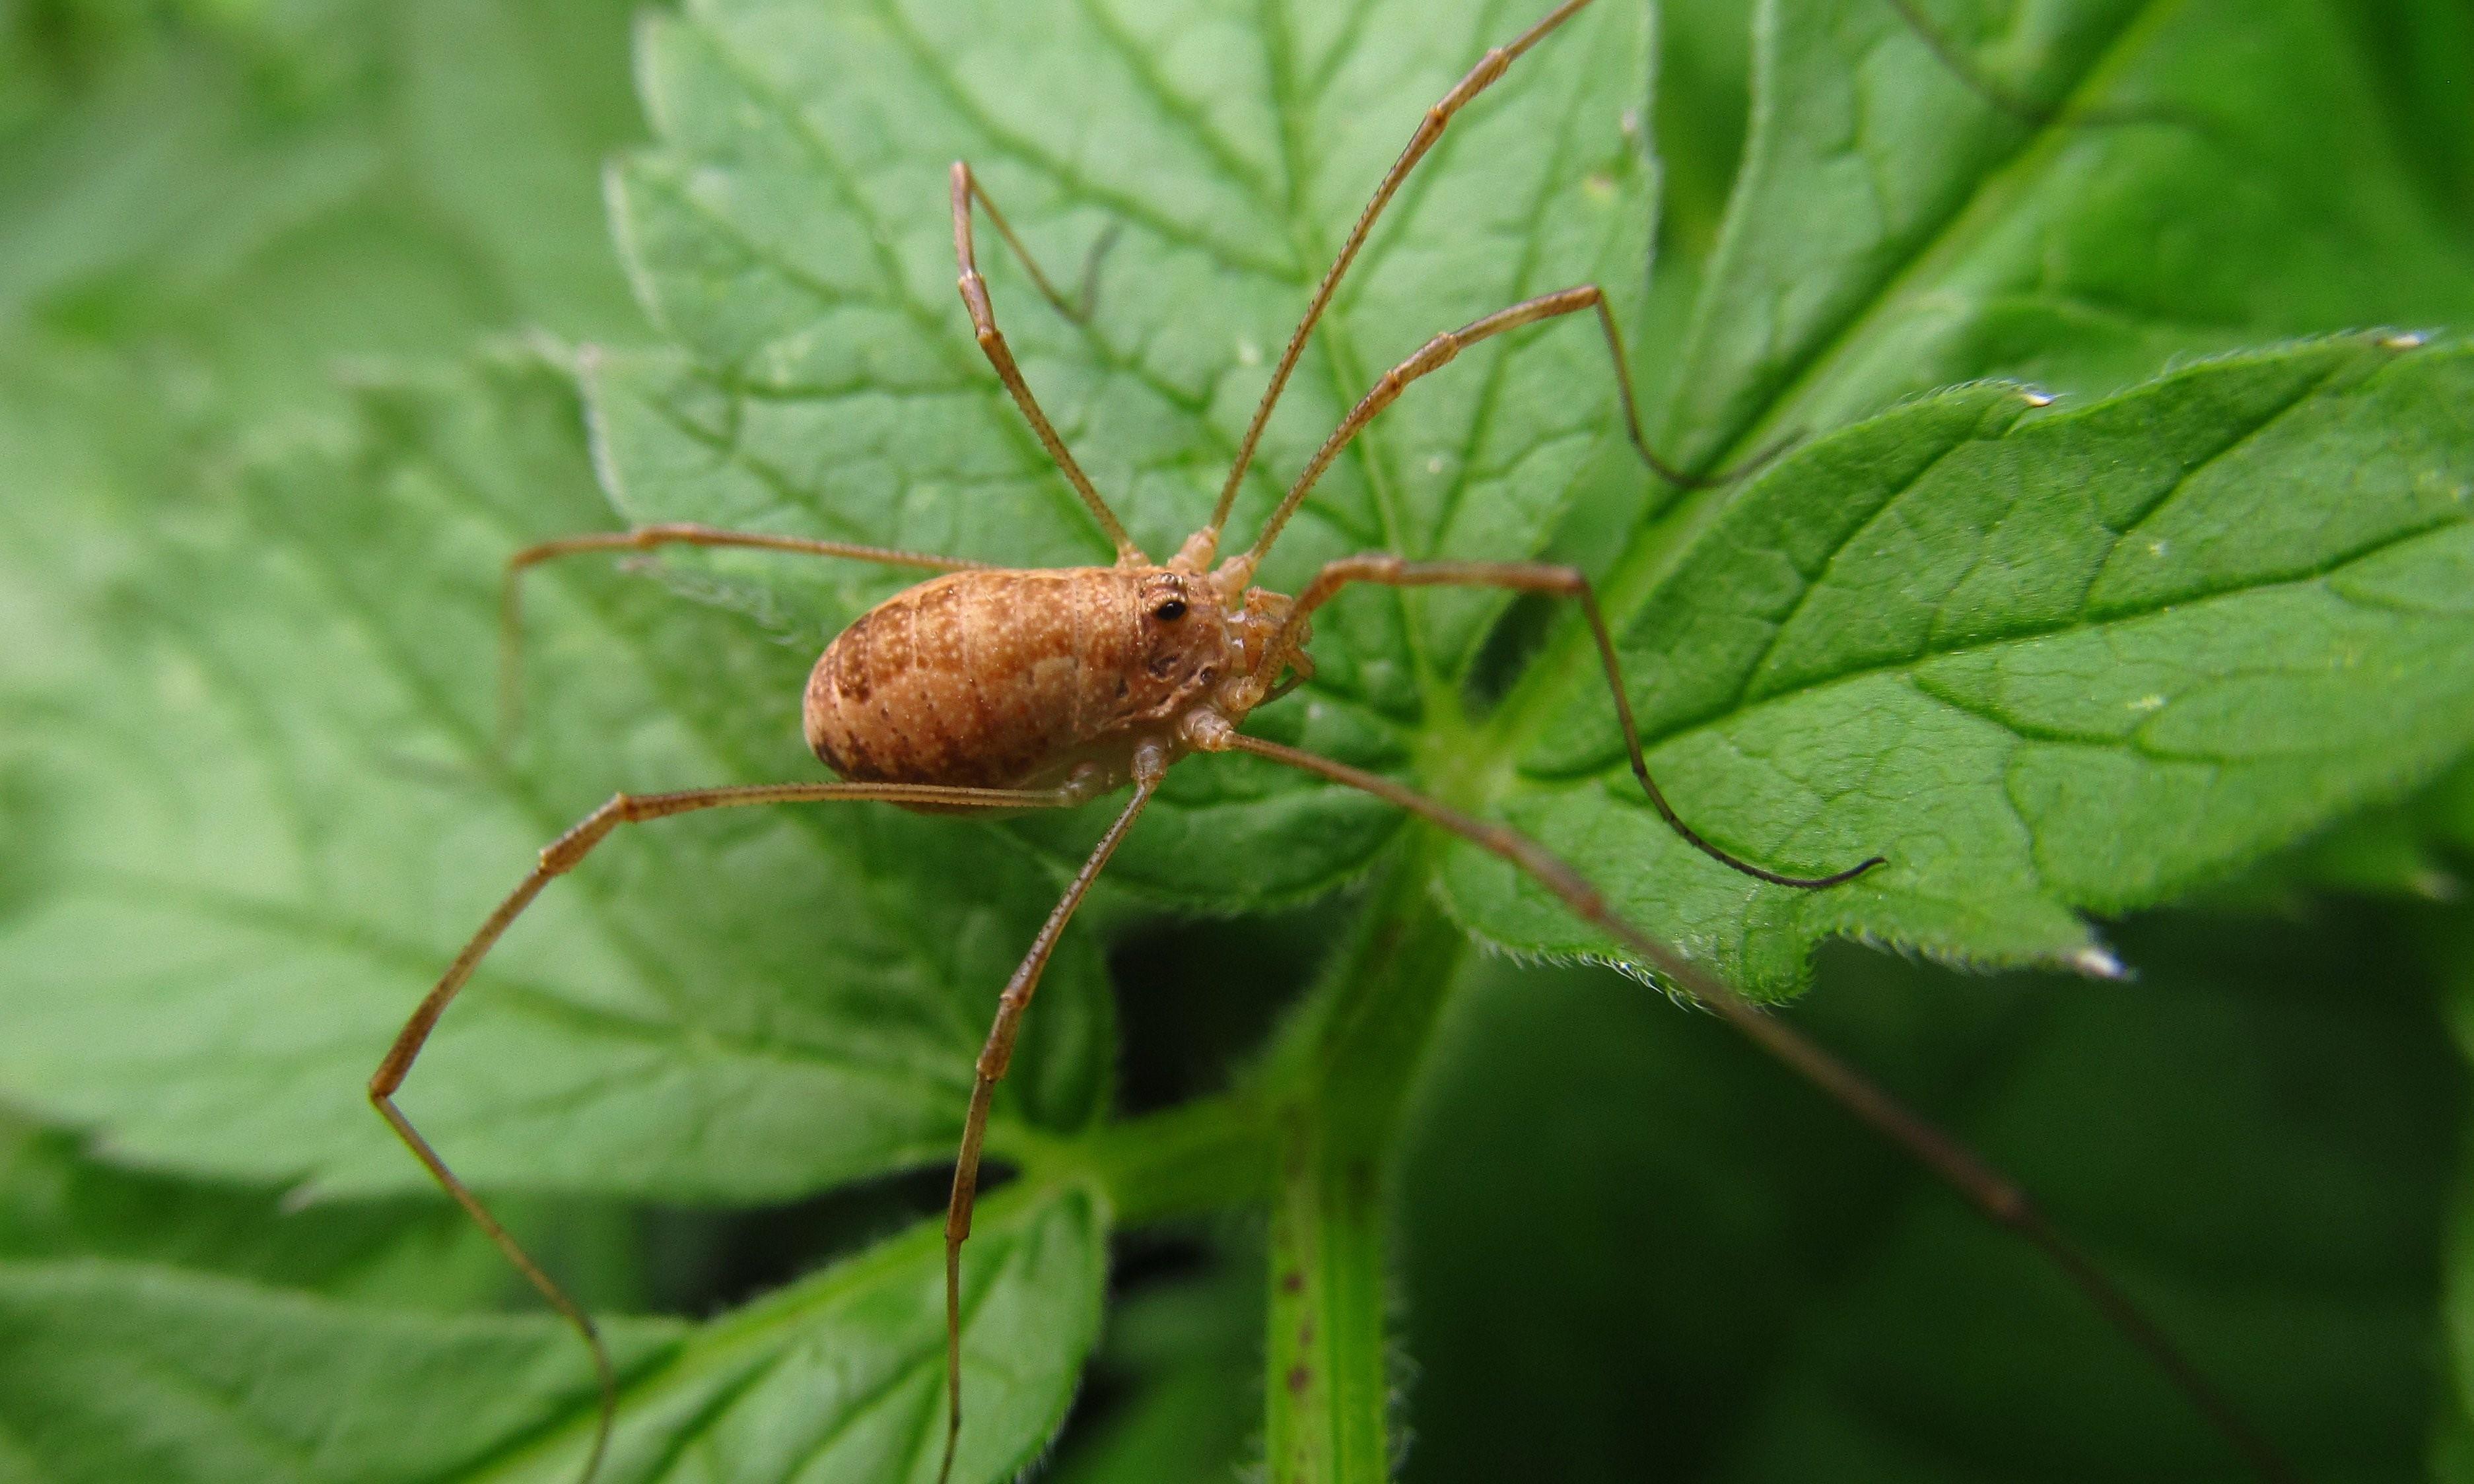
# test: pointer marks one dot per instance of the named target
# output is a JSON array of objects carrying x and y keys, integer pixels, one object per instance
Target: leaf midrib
[
  {"x": 1334, "y": 348},
  {"x": 1345, "y": 363}
]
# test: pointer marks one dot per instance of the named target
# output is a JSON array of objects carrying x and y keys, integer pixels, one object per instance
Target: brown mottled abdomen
[{"x": 998, "y": 680}]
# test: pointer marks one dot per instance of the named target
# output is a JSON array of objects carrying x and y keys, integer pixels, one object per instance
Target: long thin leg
[
  {"x": 1491, "y": 66},
  {"x": 1522, "y": 578},
  {"x": 1085, "y": 295},
  {"x": 994, "y": 1058},
  {"x": 992, "y": 341},
  {"x": 646, "y": 538},
  {"x": 557, "y": 859},
  {"x": 1981, "y": 1185},
  {"x": 1440, "y": 351}
]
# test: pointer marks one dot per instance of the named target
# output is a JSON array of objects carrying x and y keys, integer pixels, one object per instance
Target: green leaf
[
  {"x": 298, "y": 685},
  {"x": 260, "y": 189},
  {"x": 1189, "y": 1357},
  {"x": 508, "y": 111},
  {"x": 56, "y": 1201},
  {"x": 2167, "y": 178},
  {"x": 1625, "y": 1235},
  {"x": 214, "y": 204},
  {"x": 2046, "y": 661},
  {"x": 117, "y": 1372}
]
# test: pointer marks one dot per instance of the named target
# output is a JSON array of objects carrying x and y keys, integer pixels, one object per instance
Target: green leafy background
[{"x": 2118, "y": 563}]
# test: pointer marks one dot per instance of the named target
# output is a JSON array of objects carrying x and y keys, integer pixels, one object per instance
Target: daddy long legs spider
[{"x": 988, "y": 689}]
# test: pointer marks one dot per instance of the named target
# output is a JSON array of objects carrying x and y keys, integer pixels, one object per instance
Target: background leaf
[
  {"x": 57, "y": 1203},
  {"x": 239, "y": 193},
  {"x": 2177, "y": 178},
  {"x": 1744, "y": 1285},
  {"x": 116, "y": 1372},
  {"x": 1186, "y": 1359},
  {"x": 119, "y": 1371},
  {"x": 294, "y": 700}
]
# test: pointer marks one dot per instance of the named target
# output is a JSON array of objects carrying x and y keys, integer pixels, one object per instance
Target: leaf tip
[
  {"x": 2404, "y": 340},
  {"x": 2097, "y": 962}
]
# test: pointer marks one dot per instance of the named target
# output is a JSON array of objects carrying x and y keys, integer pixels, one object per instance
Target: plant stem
[
  {"x": 1337, "y": 1085},
  {"x": 1210, "y": 1154}
]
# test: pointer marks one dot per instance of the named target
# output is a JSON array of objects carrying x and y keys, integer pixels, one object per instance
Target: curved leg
[
  {"x": 557, "y": 859},
  {"x": 1491, "y": 66},
  {"x": 1086, "y": 295},
  {"x": 1523, "y": 577},
  {"x": 1977, "y": 1182},
  {"x": 992, "y": 343},
  {"x": 994, "y": 1058},
  {"x": 646, "y": 538},
  {"x": 1441, "y": 351}
]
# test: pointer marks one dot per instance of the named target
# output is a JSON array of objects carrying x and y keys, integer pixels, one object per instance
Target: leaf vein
[{"x": 1145, "y": 71}]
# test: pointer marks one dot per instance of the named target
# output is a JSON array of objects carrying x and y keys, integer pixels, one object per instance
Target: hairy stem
[{"x": 1337, "y": 1084}]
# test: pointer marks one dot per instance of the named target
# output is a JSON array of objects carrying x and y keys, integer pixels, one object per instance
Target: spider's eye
[{"x": 1171, "y": 611}]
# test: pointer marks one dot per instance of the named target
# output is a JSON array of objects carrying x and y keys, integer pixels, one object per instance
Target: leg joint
[
  {"x": 559, "y": 856},
  {"x": 1433, "y": 355}
]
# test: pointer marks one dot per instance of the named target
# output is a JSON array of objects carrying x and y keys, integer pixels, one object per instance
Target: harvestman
[{"x": 993, "y": 689}]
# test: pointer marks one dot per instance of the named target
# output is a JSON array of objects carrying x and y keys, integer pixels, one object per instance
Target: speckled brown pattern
[{"x": 1001, "y": 679}]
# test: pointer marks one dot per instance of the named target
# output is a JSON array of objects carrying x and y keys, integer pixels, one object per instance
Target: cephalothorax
[{"x": 991, "y": 689}]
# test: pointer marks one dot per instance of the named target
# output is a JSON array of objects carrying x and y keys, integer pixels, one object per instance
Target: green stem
[
  {"x": 1336, "y": 1089},
  {"x": 1213, "y": 1153}
]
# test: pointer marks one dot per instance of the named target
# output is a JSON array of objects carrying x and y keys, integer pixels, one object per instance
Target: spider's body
[{"x": 1031, "y": 678}]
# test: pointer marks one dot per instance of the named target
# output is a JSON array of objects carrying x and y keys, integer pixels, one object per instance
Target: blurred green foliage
[{"x": 310, "y": 311}]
